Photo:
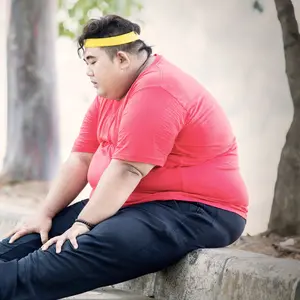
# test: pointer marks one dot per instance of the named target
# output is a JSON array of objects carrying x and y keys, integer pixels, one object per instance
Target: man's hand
[
  {"x": 40, "y": 223},
  {"x": 71, "y": 234}
]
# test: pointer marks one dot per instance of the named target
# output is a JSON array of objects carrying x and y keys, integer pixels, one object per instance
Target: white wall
[{"x": 231, "y": 49}]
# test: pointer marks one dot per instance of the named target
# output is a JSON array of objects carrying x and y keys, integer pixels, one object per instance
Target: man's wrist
[
  {"x": 47, "y": 212},
  {"x": 87, "y": 224}
]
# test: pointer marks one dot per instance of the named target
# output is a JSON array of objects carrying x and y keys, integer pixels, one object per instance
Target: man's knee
[{"x": 20, "y": 248}]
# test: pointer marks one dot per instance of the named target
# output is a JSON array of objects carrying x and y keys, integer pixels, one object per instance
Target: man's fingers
[
  {"x": 18, "y": 234},
  {"x": 49, "y": 243},
  {"x": 73, "y": 241},
  {"x": 44, "y": 236},
  {"x": 59, "y": 244}
]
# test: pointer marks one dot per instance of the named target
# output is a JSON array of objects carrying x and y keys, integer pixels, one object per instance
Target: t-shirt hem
[
  {"x": 83, "y": 150},
  {"x": 241, "y": 212}
]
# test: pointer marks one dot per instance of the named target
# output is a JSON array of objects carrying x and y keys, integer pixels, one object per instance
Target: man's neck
[{"x": 141, "y": 64}]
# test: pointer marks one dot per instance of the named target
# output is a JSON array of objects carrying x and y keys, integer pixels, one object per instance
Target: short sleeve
[
  {"x": 87, "y": 140},
  {"x": 150, "y": 124}
]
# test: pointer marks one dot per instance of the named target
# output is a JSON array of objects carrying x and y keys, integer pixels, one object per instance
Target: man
[{"x": 162, "y": 162}]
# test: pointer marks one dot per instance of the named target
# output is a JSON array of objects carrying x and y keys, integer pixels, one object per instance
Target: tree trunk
[
  {"x": 285, "y": 214},
  {"x": 32, "y": 128}
]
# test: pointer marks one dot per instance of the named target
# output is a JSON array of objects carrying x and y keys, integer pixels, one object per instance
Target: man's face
[{"x": 106, "y": 75}]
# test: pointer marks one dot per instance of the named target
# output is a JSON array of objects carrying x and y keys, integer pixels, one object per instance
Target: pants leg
[
  {"x": 138, "y": 240},
  {"x": 31, "y": 242}
]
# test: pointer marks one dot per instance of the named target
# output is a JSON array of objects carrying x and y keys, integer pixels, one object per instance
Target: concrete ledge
[{"x": 223, "y": 274}]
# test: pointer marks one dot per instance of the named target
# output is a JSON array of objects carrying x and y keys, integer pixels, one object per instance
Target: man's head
[{"x": 112, "y": 69}]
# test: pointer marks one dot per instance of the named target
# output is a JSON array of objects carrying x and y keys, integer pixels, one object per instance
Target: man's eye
[{"x": 93, "y": 62}]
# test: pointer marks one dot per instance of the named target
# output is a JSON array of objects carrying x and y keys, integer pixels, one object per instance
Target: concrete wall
[{"x": 234, "y": 51}]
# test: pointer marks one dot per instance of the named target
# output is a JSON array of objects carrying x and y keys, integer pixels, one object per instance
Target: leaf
[
  {"x": 79, "y": 12},
  {"x": 63, "y": 31}
]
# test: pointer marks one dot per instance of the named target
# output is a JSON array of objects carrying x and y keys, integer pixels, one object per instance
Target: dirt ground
[
  {"x": 273, "y": 245},
  {"x": 27, "y": 196}
]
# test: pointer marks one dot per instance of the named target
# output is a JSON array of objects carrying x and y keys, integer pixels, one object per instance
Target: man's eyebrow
[{"x": 89, "y": 57}]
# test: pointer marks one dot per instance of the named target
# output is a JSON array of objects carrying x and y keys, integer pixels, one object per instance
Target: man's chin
[
  {"x": 103, "y": 94},
  {"x": 100, "y": 92}
]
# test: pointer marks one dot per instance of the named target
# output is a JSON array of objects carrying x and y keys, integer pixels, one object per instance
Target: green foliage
[{"x": 73, "y": 14}]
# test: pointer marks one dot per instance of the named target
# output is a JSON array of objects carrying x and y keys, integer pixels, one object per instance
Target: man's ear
[{"x": 123, "y": 60}]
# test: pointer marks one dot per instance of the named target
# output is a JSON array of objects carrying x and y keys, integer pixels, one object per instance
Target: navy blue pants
[{"x": 138, "y": 240}]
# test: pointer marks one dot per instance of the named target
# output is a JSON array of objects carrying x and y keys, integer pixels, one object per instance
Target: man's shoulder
[{"x": 163, "y": 73}]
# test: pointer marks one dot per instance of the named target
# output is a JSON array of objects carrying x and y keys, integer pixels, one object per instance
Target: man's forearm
[
  {"x": 114, "y": 188},
  {"x": 70, "y": 181}
]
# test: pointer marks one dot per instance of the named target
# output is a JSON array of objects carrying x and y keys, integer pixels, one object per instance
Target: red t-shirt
[{"x": 169, "y": 120}]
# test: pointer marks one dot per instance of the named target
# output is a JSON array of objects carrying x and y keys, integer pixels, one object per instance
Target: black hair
[{"x": 113, "y": 25}]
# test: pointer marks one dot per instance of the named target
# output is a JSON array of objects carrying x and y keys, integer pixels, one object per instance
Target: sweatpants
[{"x": 138, "y": 240}]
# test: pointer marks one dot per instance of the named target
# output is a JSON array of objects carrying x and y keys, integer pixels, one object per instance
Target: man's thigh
[
  {"x": 136, "y": 241},
  {"x": 65, "y": 219},
  {"x": 31, "y": 242},
  {"x": 150, "y": 236}
]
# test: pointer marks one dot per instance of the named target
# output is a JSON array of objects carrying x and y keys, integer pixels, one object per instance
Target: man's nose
[{"x": 89, "y": 72}]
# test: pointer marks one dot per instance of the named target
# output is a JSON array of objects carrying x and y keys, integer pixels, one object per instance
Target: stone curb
[{"x": 223, "y": 274}]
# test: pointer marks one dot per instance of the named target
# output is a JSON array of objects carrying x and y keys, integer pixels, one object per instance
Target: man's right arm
[
  {"x": 72, "y": 177},
  {"x": 71, "y": 180}
]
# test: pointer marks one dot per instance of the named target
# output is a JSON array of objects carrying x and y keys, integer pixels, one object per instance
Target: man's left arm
[{"x": 115, "y": 186}]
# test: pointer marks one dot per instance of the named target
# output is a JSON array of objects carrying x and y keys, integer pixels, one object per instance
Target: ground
[
  {"x": 273, "y": 245},
  {"x": 27, "y": 196}
]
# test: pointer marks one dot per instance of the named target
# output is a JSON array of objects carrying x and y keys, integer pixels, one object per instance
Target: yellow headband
[{"x": 111, "y": 41}]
